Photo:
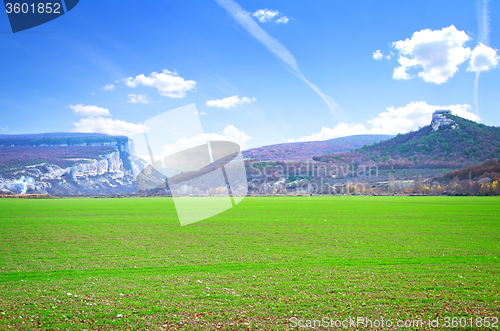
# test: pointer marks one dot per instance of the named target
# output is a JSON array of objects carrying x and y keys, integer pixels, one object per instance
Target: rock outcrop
[
  {"x": 66, "y": 164},
  {"x": 103, "y": 176},
  {"x": 439, "y": 119}
]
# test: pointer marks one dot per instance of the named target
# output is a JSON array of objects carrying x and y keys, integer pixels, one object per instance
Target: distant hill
[
  {"x": 449, "y": 141},
  {"x": 306, "y": 150},
  {"x": 414, "y": 163}
]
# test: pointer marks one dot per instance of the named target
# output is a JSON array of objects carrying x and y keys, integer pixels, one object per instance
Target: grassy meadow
[{"x": 103, "y": 264}]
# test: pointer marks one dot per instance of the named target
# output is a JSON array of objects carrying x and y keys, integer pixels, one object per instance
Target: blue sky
[{"x": 259, "y": 72}]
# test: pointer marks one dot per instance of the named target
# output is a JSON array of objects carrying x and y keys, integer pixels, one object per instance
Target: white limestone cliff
[
  {"x": 105, "y": 175},
  {"x": 439, "y": 119}
]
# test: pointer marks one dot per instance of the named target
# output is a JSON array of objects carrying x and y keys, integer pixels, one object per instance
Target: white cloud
[
  {"x": 203, "y": 113},
  {"x": 230, "y": 133},
  {"x": 340, "y": 130},
  {"x": 378, "y": 55},
  {"x": 274, "y": 46},
  {"x": 109, "y": 87},
  {"x": 89, "y": 110},
  {"x": 484, "y": 21},
  {"x": 393, "y": 121},
  {"x": 437, "y": 52},
  {"x": 229, "y": 102},
  {"x": 415, "y": 115},
  {"x": 138, "y": 98},
  {"x": 168, "y": 83},
  {"x": 267, "y": 15},
  {"x": 483, "y": 58},
  {"x": 108, "y": 126},
  {"x": 282, "y": 20},
  {"x": 400, "y": 73}
]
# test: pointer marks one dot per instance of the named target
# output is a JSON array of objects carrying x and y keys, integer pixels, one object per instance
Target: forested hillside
[{"x": 465, "y": 143}]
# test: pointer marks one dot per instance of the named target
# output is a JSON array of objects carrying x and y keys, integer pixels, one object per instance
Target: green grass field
[{"x": 77, "y": 263}]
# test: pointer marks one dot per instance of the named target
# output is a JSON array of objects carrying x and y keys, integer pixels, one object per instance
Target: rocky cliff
[
  {"x": 101, "y": 176},
  {"x": 439, "y": 119},
  {"x": 66, "y": 164}
]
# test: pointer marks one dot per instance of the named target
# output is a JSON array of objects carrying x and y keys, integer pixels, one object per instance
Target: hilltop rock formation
[
  {"x": 448, "y": 142},
  {"x": 439, "y": 119}
]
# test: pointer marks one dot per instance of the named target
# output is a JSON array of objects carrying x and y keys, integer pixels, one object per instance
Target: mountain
[
  {"x": 449, "y": 141},
  {"x": 412, "y": 163},
  {"x": 66, "y": 164},
  {"x": 406, "y": 164},
  {"x": 306, "y": 150}
]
